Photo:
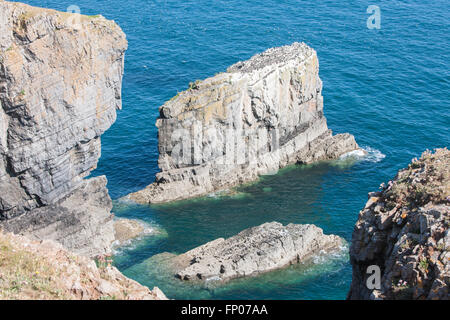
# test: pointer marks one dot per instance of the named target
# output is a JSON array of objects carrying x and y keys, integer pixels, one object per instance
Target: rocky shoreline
[
  {"x": 404, "y": 230},
  {"x": 45, "y": 270},
  {"x": 54, "y": 106},
  {"x": 60, "y": 86}
]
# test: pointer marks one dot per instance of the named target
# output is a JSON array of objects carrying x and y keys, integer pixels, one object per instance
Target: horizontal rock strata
[
  {"x": 60, "y": 86},
  {"x": 404, "y": 230},
  {"x": 255, "y": 250},
  {"x": 259, "y": 116},
  {"x": 82, "y": 221}
]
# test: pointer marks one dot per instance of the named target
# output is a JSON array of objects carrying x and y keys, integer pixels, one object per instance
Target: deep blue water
[{"x": 389, "y": 87}]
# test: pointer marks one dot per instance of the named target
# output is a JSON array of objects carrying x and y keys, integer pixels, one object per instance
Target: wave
[
  {"x": 337, "y": 254},
  {"x": 368, "y": 154},
  {"x": 151, "y": 232}
]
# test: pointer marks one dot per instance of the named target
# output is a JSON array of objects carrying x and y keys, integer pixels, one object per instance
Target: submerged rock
[
  {"x": 255, "y": 250},
  {"x": 404, "y": 230},
  {"x": 60, "y": 86},
  {"x": 259, "y": 116},
  {"x": 127, "y": 229}
]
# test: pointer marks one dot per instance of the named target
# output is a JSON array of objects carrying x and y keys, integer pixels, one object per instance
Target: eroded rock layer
[
  {"x": 60, "y": 86},
  {"x": 404, "y": 231},
  {"x": 259, "y": 116},
  {"x": 255, "y": 250},
  {"x": 81, "y": 221}
]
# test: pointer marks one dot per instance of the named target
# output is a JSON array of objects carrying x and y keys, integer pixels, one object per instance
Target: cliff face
[
  {"x": 404, "y": 230},
  {"x": 60, "y": 86},
  {"x": 259, "y": 116}
]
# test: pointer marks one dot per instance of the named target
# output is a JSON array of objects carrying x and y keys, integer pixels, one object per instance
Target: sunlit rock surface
[
  {"x": 259, "y": 116},
  {"x": 256, "y": 250},
  {"x": 404, "y": 231},
  {"x": 60, "y": 86}
]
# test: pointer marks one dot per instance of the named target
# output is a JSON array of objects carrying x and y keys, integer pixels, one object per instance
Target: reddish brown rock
[{"x": 404, "y": 229}]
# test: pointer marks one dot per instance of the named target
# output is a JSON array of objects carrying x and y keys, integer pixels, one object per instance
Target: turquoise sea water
[{"x": 389, "y": 87}]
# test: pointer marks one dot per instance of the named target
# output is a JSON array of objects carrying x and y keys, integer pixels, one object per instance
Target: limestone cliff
[
  {"x": 404, "y": 230},
  {"x": 60, "y": 86},
  {"x": 259, "y": 116}
]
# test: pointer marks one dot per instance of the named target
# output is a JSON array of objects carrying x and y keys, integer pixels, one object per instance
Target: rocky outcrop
[
  {"x": 255, "y": 250},
  {"x": 60, "y": 86},
  {"x": 45, "y": 270},
  {"x": 404, "y": 230},
  {"x": 259, "y": 116}
]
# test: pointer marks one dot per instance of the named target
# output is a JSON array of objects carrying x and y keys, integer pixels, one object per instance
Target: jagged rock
[
  {"x": 259, "y": 116},
  {"x": 31, "y": 269},
  {"x": 404, "y": 230},
  {"x": 255, "y": 250},
  {"x": 60, "y": 86}
]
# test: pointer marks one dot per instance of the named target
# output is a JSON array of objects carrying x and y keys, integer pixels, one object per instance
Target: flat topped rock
[
  {"x": 261, "y": 115},
  {"x": 297, "y": 50},
  {"x": 255, "y": 250}
]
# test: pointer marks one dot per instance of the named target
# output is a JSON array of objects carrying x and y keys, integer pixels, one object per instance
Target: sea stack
[
  {"x": 60, "y": 87},
  {"x": 259, "y": 116},
  {"x": 402, "y": 235}
]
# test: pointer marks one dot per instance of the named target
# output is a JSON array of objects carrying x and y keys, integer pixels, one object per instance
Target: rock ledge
[
  {"x": 44, "y": 270},
  {"x": 255, "y": 250}
]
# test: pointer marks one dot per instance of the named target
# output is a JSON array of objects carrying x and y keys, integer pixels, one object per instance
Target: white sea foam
[
  {"x": 214, "y": 195},
  {"x": 364, "y": 154},
  {"x": 326, "y": 256},
  {"x": 213, "y": 278},
  {"x": 151, "y": 230},
  {"x": 374, "y": 155}
]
